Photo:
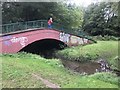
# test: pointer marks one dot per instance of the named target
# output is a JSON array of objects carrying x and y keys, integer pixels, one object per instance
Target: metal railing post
[
  {"x": 25, "y": 25},
  {"x": 41, "y": 24}
]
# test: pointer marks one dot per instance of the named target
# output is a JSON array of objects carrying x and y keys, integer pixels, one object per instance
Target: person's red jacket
[{"x": 49, "y": 22}]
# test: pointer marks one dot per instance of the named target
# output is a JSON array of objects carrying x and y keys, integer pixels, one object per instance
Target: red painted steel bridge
[{"x": 13, "y": 42}]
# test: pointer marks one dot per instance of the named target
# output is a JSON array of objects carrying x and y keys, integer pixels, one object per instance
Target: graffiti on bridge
[
  {"x": 67, "y": 38},
  {"x": 9, "y": 40}
]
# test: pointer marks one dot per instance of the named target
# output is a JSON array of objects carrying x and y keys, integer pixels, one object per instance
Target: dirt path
[{"x": 46, "y": 82}]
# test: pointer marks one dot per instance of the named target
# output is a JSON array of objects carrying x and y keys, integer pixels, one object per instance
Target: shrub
[
  {"x": 106, "y": 38},
  {"x": 106, "y": 77}
]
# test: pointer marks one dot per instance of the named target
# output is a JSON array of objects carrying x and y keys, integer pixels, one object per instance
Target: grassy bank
[
  {"x": 18, "y": 70},
  {"x": 107, "y": 50}
]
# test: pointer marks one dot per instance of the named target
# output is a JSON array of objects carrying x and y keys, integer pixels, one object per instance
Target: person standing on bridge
[{"x": 50, "y": 23}]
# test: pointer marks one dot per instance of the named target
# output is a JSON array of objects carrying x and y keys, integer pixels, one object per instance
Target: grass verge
[{"x": 17, "y": 70}]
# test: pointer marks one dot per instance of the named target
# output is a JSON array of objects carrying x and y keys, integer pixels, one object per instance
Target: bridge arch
[
  {"x": 44, "y": 47},
  {"x": 16, "y": 42}
]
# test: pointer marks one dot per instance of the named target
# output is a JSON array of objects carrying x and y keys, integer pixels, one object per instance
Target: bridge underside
[{"x": 45, "y": 47}]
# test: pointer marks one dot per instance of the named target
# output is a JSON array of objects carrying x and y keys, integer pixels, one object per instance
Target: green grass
[
  {"x": 107, "y": 50},
  {"x": 17, "y": 70}
]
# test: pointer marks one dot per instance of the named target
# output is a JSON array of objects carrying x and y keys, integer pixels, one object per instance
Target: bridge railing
[{"x": 21, "y": 26}]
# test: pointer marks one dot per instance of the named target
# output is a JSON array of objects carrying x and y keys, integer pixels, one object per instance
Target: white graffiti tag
[
  {"x": 64, "y": 37},
  {"x": 21, "y": 40}
]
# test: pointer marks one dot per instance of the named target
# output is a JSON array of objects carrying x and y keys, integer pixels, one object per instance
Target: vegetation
[
  {"x": 67, "y": 15},
  {"x": 107, "y": 50},
  {"x": 106, "y": 38},
  {"x": 99, "y": 18},
  {"x": 18, "y": 70},
  {"x": 102, "y": 19}
]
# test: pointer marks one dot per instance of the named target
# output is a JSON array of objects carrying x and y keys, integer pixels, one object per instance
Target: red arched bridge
[{"x": 34, "y": 35}]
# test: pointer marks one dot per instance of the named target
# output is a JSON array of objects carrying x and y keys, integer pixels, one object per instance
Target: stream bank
[{"x": 98, "y": 57}]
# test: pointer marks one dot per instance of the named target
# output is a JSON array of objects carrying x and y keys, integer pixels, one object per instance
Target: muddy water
[
  {"x": 84, "y": 67},
  {"x": 81, "y": 67}
]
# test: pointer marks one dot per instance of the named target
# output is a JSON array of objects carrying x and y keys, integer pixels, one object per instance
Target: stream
[{"x": 86, "y": 67}]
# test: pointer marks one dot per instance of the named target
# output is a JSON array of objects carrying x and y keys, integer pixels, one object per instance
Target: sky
[{"x": 84, "y": 3}]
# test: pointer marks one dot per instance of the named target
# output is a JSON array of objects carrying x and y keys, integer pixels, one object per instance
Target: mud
[{"x": 86, "y": 67}]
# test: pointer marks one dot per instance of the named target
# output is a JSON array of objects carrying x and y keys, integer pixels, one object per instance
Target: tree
[
  {"x": 101, "y": 19},
  {"x": 69, "y": 16}
]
